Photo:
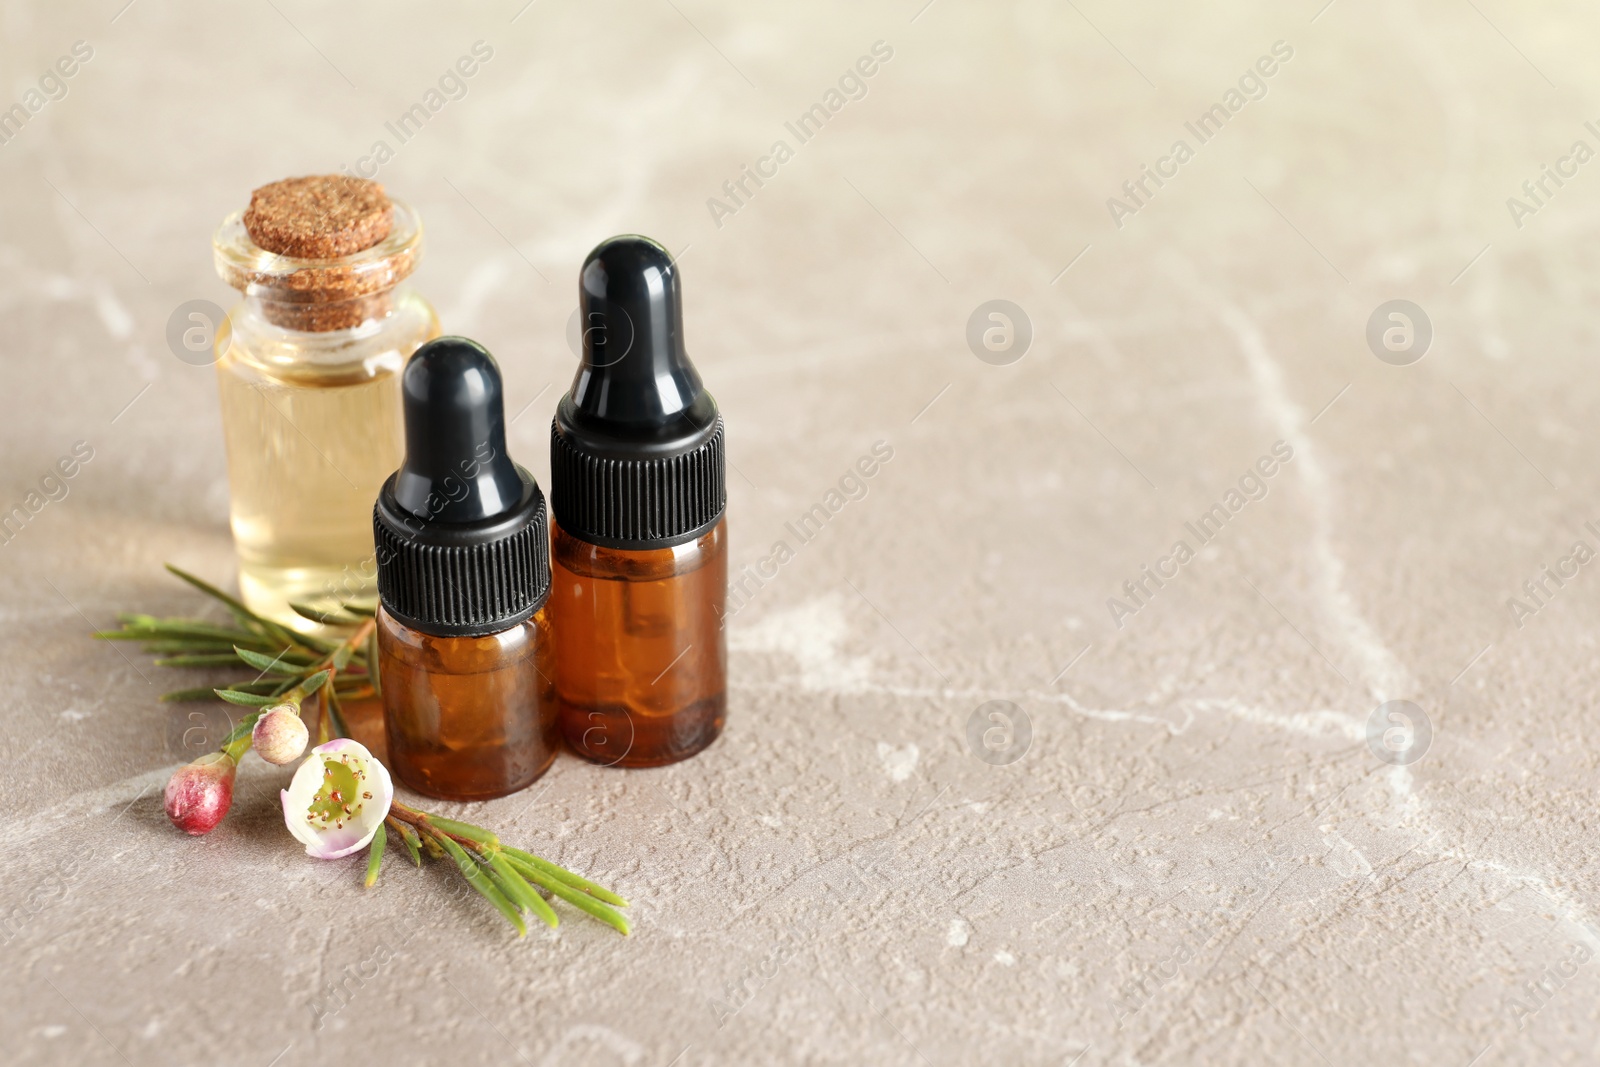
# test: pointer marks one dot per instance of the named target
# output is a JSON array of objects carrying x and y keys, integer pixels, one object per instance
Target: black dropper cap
[
  {"x": 636, "y": 447},
  {"x": 462, "y": 538}
]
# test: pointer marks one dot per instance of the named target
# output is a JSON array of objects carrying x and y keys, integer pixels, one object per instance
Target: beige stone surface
[{"x": 1198, "y": 858}]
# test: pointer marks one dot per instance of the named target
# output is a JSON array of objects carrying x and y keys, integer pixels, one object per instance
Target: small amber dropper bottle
[
  {"x": 464, "y": 650},
  {"x": 639, "y": 567}
]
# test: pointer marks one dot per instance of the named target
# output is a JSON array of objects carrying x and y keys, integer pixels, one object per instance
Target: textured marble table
[{"x": 1201, "y": 832}]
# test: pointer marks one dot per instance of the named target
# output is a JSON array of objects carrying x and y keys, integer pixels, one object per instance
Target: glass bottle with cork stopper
[
  {"x": 639, "y": 540},
  {"x": 308, "y": 369},
  {"x": 464, "y": 646}
]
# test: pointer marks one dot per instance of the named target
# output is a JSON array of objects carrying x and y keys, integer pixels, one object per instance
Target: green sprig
[
  {"x": 516, "y": 875},
  {"x": 478, "y": 878},
  {"x": 291, "y": 658},
  {"x": 292, "y": 666}
]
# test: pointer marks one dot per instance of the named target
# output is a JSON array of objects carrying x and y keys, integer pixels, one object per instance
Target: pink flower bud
[
  {"x": 200, "y": 793},
  {"x": 279, "y": 735}
]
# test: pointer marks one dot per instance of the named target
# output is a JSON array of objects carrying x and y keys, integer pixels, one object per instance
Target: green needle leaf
[
  {"x": 375, "y": 854},
  {"x": 464, "y": 829},
  {"x": 480, "y": 881},
  {"x": 564, "y": 875},
  {"x": 239, "y": 740},
  {"x": 316, "y": 644},
  {"x": 408, "y": 837},
  {"x": 185, "y": 628},
  {"x": 581, "y": 901},
  {"x": 249, "y": 619},
  {"x": 248, "y": 700},
  {"x": 265, "y": 663},
  {"x": 242, "y": 613},
  {"x": 336, "y": 713},
  {"x": 207, "y": 693},
  {"x": 518, "y": 891},
  {"x": 203, "y": 659},
  {"x": 330, "y": 617},
  {"x": 189, "y": 696},
  {"x": 314, "y": 682},
  {"x": 198, "y": 646}
]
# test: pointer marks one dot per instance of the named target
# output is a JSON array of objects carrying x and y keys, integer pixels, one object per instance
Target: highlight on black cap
[
  {"x": 460, "y": 528},
  {"x": 636, "y": 456},
  {"x": 635, "y": 369},
  {"x": 456, "y": 467}
]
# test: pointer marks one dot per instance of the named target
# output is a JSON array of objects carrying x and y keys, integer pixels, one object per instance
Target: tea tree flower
[{"x": 337, "y": 800}]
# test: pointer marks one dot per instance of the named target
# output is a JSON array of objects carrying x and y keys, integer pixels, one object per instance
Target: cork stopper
[
  {"x": 319, "y": 217},
  {"x": 321, "y": 253}
]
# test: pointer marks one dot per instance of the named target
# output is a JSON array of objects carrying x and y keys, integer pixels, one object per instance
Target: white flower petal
[
  {"x": 294, "y": 818},
  {"x": 359, "y": 830},
  {"x": 336, "y": 844}
]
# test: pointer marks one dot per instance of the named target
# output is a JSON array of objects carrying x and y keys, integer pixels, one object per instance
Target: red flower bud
[{"x": 200, "y": 793}]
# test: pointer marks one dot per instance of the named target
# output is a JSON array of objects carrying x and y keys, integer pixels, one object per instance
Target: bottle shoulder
[
  {"x": 524, "y": 642},
  {"x": 588, "y": 560}
]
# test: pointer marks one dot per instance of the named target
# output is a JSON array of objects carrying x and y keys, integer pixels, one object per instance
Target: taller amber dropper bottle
[{"x": 639, "y": 561}]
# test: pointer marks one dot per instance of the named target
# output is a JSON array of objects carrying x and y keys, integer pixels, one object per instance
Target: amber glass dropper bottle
[
  {"x": 464, "y": 651},
  {"x": 639, "y": 562}
]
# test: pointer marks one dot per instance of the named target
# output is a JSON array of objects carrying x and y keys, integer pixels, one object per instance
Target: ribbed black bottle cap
[
  {"x": 636, "y": 447},
  {"x": 462, "y": 540}
]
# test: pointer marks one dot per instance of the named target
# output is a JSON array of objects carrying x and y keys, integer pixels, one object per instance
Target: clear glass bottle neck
[{"x": 354, "y": 315}]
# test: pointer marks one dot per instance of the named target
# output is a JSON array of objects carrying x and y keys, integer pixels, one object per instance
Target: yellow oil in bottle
[{"x": 311, "y": 437}]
